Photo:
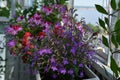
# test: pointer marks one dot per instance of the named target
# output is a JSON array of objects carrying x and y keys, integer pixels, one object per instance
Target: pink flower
[
  {"x": 47, "y": 10},
  {"x": 13, "y": 29},
  {"x": 20, "y": 18},
  {"x": 79, "y": 27},
  {"x": 37, "y": 19}
]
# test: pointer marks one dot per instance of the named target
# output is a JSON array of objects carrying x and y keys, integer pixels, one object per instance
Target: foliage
[
  {"x": 114, "y": 35},
  {"x": 51, "y": 40},
  {"x": 94, "y": 28},
  {"x": 5, "y": 12}
]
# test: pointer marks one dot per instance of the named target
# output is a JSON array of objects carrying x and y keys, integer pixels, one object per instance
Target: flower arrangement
[{"x": 51, "y": 41}]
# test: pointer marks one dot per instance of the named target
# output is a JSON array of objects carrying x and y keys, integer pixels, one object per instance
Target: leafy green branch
[{"x": 114, "y": 35}]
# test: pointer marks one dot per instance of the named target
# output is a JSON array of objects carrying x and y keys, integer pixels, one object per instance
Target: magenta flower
[
  {"x": 20, "y": 18},
  {"x": 47, "y": 10},
  {"x": 79, "y": 27},
  {"x": 13, "y": 29},
  {"x": 57, "y": 6},
  {"x": 30, "y": 21},
  {"x": 64, "y": 19},
  {"x": 37, "y": 19}
]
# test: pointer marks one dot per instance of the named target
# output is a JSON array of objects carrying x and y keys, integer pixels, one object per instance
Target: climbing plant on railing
[{"x": 113, "y": 34}]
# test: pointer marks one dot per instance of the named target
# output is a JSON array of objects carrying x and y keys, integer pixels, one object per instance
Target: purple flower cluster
[{"x": 51, "y": 40}]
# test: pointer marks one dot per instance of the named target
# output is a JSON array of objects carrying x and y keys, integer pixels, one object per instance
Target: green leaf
[
  {"x": 113, "y": 4},
  {"x": 18, "y": 5},
  {"x": 117, "y": 31},
  {"x": 113, "y": 39},
  {"x": 4, "y": 12},
  {"x": 101, "y": 9},
  {"x": 114, "y": 66},
  {"x": 106, "y": 20},
  {"x": 105, "y": 41},
  {"x": 117, "y": 25},
  {"x": 118, "y": 37},
  {"x": 102, "y": 24}
]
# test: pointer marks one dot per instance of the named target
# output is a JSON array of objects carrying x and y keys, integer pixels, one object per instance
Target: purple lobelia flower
[
  {"x": 81, "y": 65},
  {"x": 65, "y": 61},
  {"x": 46, "y": 69},
  {"x": 52, "y": 60},
  {"x": 62, "y": 71},
  {"x": 11, "y": 43},
  {"x": 73, "y": 50},
  {"x": 81, "y": 74},
  {"x": 54, "y": 76},
  {"x": 35, "y": 58},
  {"x": 54, "y": 68},
  {"x": 44, "y": 51},
  {"x": 91, "y": 52},
  {"x": 63, "y": 9},
  {"x": 70, "y": 72},
  {"x": 74, "y": 61}
]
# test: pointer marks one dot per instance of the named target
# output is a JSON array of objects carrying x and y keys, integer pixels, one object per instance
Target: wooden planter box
[{"x": 89, "y": 73}]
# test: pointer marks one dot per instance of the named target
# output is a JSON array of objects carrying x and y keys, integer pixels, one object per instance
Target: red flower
[
  {"x": 25, "y": 41},
  {"x": 28, "y": 52},
  {"x": 27, "y": 34},
  {"x": 58, "y": 30},
  {"x": 24, "y": 58},
  {"x": 31, "y": 46},
  {"x": 41, "y": 34}
]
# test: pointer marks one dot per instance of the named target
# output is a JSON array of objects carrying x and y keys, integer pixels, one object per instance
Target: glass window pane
[{"x": 86, "y": 9}]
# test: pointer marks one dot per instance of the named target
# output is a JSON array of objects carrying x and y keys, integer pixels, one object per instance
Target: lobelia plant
[
  {"x": 113, "y": 41},
  {"x": 51, "y": 41}
]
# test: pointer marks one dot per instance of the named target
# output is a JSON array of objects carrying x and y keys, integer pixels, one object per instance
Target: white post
[
  {"x": 38, "y": 76},
  {"x": 71, "y": 4},
  {"x": 13, "y": 3}
]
